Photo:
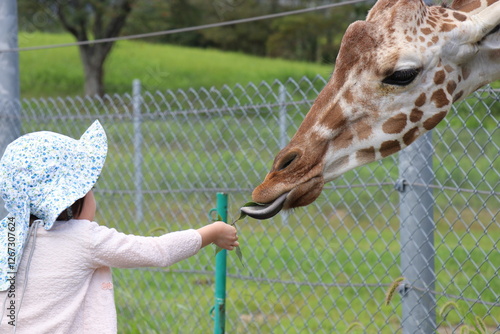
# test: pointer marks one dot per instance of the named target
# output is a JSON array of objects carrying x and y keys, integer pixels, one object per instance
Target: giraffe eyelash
[{"x": 402, "y": 77}]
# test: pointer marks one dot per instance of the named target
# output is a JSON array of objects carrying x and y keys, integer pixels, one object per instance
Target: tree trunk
[
  {"x": 93, "y": 58},
  {"x": 94, "y": 84},
  {"x": 76, "y": 16}
]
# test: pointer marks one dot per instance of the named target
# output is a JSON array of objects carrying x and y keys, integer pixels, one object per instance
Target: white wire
[{"x": 187, "y": 29}]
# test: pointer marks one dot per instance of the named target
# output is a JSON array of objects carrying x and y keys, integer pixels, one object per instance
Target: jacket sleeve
[{"x": 111, "y": 248}]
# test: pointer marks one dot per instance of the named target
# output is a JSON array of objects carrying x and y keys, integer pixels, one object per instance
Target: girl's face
[{"x": 89, "y": 207}]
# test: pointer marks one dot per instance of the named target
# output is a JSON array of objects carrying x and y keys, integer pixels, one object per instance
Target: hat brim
[{"x": 83, "y": 168}]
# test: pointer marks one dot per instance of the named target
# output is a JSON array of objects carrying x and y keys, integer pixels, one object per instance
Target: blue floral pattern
[{"x": 43, "y": 173}]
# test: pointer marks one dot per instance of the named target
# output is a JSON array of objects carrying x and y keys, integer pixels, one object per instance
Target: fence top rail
[{"x": 180, "y": 102}]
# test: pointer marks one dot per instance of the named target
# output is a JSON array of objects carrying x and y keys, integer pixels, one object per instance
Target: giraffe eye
[{"x": 402, "y": 77}]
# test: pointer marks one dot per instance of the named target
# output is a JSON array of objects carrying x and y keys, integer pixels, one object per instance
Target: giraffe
[{"x": 395, "y": 78}]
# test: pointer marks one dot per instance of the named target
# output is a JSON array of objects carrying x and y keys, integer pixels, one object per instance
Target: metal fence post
[
  {"x": 220, "y": 273},
  {"x": 283, "y": 134},
  {"x": 283, "y": 125},
  {"x": 10, "y": 123},
  {"x": 138, "y": 177},
  {"x": 417, "y": 236}
]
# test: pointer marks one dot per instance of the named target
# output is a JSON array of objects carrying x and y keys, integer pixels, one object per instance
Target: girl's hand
[{"x": 219, "y": 233}]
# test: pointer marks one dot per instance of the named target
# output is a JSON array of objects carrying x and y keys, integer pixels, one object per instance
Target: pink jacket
[{"x": 69, "y": 286}]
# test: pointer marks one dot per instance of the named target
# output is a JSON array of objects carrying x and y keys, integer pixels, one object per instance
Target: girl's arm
[{"x": 111, "y": 248}]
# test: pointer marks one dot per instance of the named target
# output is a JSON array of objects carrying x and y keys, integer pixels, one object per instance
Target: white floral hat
[{"x": 43, "y": 173}]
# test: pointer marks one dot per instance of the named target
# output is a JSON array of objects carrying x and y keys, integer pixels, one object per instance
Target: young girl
[{"x": 57, "y": 279}]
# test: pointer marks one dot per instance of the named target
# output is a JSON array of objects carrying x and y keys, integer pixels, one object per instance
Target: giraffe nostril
[{"x": 287, "y": 161}]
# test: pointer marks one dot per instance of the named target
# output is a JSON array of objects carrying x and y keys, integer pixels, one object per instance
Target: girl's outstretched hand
[{"x": 219, "y": 233}]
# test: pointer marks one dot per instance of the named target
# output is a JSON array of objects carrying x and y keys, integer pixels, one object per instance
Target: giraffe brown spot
[
  {"x": 430, "y": 123},
  {"x": 416, "y": 115},
  {"x": 490, "y": 2},
  {"x": 409, "y": 39},
  {"x": 448, "y": 68},
  {"x": 434, "y": 39},
  {"x": 465, "y": 73},
  {"x": 422, "y": 39},
  {"x": 439, "y": 98},
  {"x": 447, "y": 27},
  {"x": 389, "y": 147},
  {"x": 420, "y": 101},
  {"x": 348, "y": 96},
  {"x": 366, "y": 155},
  {"x": 431, "y": 23},
  {"x": 357, "y": 47},
  {"x": 333, "y": 119},
  {"x": 410, "y": 136},
  {"x": 458, "y": 96},
  {"x": 494, "y": 55},
  {"x": 344, "y": 139},
  {"x": 439, "y": 77},
  {"x": 426, "y": 31},
  {"x": 363, "y": 129},
  {"x": 395, "y": 124},
  {"x": 451, "y": 86},
  {"x": 459, "y": 16},
  {"x": 466, "y": 6}
]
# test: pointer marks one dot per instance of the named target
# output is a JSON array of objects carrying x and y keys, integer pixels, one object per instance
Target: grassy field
[
  {"x": 288, "y": 283},
  {"x": 58, "y": 72}
]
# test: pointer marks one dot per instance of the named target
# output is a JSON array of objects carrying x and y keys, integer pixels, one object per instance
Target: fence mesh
[{"x": 325, "y": 268}]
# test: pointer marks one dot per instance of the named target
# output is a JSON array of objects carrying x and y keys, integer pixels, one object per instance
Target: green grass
[
  {"x": 283, "y": 304},
  {"x": 58, "y": 72}
]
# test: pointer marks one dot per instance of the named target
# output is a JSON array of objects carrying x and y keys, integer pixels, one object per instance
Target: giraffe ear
[
  {"x": 486, "y": 20},
  {"x": 473, "y": 32}
]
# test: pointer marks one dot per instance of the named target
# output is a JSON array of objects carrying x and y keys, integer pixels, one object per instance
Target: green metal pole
[{"x": 220, "y": 273}]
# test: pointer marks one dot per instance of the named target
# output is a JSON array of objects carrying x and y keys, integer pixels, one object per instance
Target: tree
[
  {"x": 100, "y": 18},
  {"x": 86, "y": 20}
]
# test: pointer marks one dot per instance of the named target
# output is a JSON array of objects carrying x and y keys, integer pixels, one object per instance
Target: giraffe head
[{"x": 396, "y": 77}]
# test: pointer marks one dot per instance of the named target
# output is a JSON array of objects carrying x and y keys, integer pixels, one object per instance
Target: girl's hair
[{"x": 74, "y": 210}]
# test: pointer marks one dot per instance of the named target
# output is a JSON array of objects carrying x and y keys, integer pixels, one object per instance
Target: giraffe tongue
[{"x": 265, "y": 211}]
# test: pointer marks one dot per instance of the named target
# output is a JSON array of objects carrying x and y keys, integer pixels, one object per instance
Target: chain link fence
[{"x": 325, "y": 268}]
